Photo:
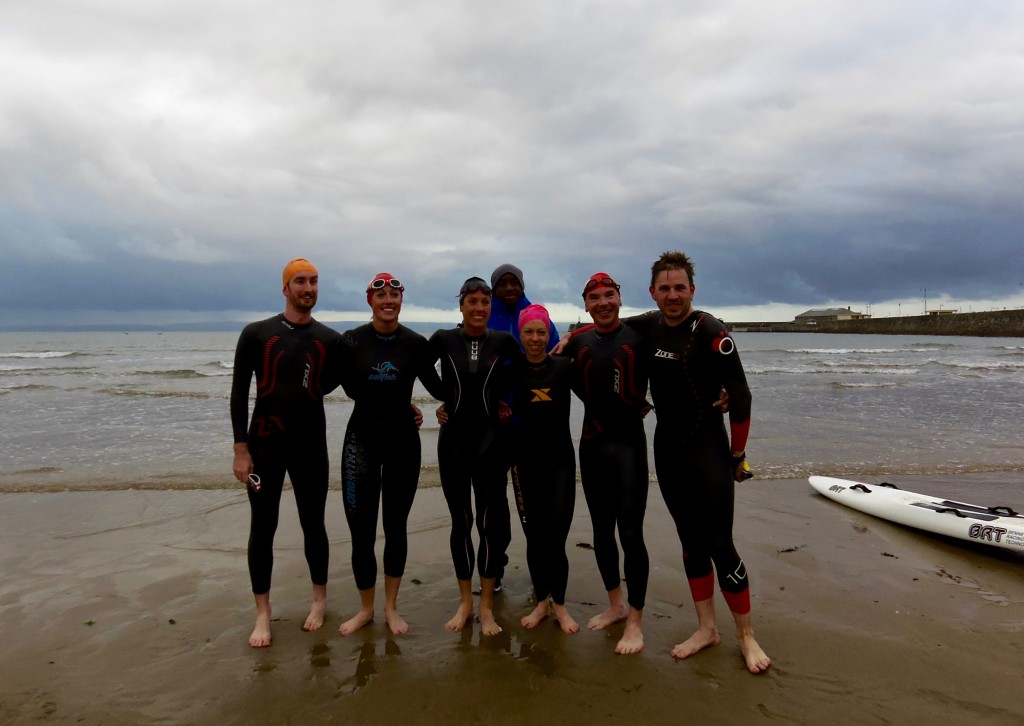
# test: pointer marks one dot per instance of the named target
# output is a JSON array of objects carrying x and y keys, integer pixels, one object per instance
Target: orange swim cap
[{"x": 299, "y": 264}]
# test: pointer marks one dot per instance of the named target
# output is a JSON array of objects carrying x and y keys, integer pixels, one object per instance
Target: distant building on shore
[{"x": 828, "y": 315}]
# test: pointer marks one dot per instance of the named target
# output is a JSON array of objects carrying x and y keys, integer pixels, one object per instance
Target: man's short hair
[{"x": 672, "y": 261}]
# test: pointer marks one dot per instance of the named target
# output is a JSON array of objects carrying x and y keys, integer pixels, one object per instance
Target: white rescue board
[{"x": 996, "y": 525}]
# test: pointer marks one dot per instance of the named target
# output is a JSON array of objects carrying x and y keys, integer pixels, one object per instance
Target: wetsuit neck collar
[
  {"x": 292, "y": 324},
  {"x": 608, "y": 333}
]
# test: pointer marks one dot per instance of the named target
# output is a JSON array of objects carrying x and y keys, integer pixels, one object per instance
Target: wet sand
[{"x": 133, "y": 607}]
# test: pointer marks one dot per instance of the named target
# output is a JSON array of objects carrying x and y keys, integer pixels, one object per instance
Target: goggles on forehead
[
  {"x": 600, "y": 282},
  {"x": 474, "y": 284},
  {"x": 380, "y": 283}
]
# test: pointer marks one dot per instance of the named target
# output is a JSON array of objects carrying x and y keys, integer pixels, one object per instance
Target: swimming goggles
[
  {"x": 474, "y": 284},
  {"x": 599, "y": 282},
  {"x": 254, "y": 482},
  {"x": 379, "y": 284}
]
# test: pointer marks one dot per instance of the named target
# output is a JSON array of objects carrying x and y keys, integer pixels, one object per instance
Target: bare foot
[
  {"x": 315, "y": 619},
  {"x": 609, "y": 617},
  {"x": 488, "y": 625},
  {"x": 459, "y": 620},
  {"x": 696, "y": 643},
  {"x": 357, "y": 621},
  {"x": 395, "y": 622},
  {"x": 757, "y": 660},
  {"x": 632, "y": 640},
  {"x": 260, "y": 637},
  {"x": 535, "y": 618},
  {"x": 565, "y": 620}
]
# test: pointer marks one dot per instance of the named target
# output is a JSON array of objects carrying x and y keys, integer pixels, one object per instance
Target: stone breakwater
[{"x": 994, "y": 324}]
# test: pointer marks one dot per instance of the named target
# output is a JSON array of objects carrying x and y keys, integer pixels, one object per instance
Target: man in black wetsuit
[
  {"x": 692, "y": 357},
  {"x": 290, "y": 356},
  {"x": 611, "y": 379}
]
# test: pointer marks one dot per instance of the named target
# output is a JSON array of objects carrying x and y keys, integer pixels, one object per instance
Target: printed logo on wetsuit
[
  {"x": 659, "y": 353},
  {"x": 386, "y": 371},
  {"x": 723, "y": 344},
  {"x": 617, "y": 383},
  {"x": 305, "y": 376},
  {"x": 540, "y": 394}
]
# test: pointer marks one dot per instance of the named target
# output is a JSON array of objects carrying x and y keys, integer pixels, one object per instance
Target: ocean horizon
[{"x": 149, "y": 409}]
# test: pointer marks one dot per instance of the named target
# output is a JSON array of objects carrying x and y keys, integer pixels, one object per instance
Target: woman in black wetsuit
[
  {"x": 471, "y": 450},
  {"x": 380, "y": 464},
  {"x": 543, "y": 465}
]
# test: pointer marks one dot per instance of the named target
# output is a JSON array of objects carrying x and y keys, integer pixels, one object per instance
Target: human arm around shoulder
[{"x": 426, "y": 370}]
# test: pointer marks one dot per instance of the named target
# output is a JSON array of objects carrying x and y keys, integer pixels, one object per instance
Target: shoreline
[{"x": 134, "y": 607}]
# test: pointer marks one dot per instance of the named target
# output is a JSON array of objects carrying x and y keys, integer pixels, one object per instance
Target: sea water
[{"x": 110, "y": 410}]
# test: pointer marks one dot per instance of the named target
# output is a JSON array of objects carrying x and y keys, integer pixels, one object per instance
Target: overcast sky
[{"x": 161, "y": 161}]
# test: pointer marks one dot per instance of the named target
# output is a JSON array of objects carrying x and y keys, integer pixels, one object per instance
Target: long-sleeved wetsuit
[
  {"x": 610, "y": 377},
  {"x": 293, "y": 369},
  {"x": 380, "y": 463},
  {"x": 544, "y": 469},
  {"x": 689, "y": 365},
  {"x": 472, "y": 453}
]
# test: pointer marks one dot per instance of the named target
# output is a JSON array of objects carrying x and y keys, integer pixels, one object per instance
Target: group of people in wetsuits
[{"x": 505, "y": 409}]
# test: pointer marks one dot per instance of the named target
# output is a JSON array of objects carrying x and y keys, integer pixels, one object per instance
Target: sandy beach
[{"x": 133, "y": 607}]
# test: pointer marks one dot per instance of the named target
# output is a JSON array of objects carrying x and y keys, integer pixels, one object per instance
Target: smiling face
[
  {"x": 300, "y": 293},
  {"x": 535, "y": 335},
  {"x": 509, "y": 290},
  {"x": 673, "y": 292},
  {"x": 603, "y": 304},
  {"x": 476, "y": 309},
  {"x": 386, "y": 305}
]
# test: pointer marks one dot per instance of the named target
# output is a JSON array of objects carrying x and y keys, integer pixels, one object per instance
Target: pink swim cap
[{"x": 534, "y": 312}]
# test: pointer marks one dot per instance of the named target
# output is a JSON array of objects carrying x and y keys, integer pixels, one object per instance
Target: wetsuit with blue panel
[{"x": 380, "y": 464}]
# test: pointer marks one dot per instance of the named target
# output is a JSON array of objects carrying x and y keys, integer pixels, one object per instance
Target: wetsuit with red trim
[
  {"x": 380, "y": 464},
  {"x": 472, "y": 451},
  {"x": 544, "y": 469},
  {"x": 292, "y": 365},
  {"x": 689, "y": 365},
  {"x": 610, "y": 377}
]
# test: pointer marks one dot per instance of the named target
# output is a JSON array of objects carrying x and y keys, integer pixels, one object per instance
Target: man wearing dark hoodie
[{"x": 509, "y": 299}]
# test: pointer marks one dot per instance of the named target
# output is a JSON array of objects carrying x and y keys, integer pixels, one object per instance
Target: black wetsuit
[
  {"x": 544, "y": 469},
  {"x": 380, "y": 463},
  {"x": 293, "y": 369},
  {"x": 472, "y": 452},
  {"x": 689, "y": 365},
  {"x": 610, "y": 377}
]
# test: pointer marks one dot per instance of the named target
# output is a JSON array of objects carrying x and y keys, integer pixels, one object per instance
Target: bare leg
[
  {"x": 535, "y": 618},
  {"x": 365, "y": 614},
  {"x": 488, "y": 625},
  {"x": 395, "y": 622},
  {"x": 260, "y": 637},
  {"x": 617, "y": 610},
  {"x": 465, "y": 611},
  {"x": 632, "y": 640},
  {"x": 707, "y": 631},
  {"x": 756, "y": 659},
  {"x": 565, "y": 620},
  {"x": 317, "y": 609}
]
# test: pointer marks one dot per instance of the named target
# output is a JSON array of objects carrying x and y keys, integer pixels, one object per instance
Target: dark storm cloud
[{"x": 169, "y": 159}]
